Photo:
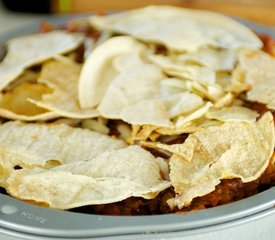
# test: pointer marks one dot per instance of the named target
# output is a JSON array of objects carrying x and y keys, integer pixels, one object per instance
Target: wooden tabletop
[{"x": 261, "y": 11}]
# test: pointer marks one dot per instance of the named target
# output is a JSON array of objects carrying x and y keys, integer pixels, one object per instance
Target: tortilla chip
[
  {"x": 143, "y": 133},
  {"x": 127, "y": 61},
  {"x": 110, "y": 177},
  {"x": 187, "y": 119},
  {"x": 182, "y": 103},
  {"x": 232, "y": 150},
  {"x": 124, "y": 131},
  {"x": 211, "y": 92},
  {"x": 171, "y": 86},
  {"x": 180, "y": 29},
  {"x": 98, "y": 70},
  {"x": 193, "y": 126},
  {"x": 259, "y": 73},
  {"x": 185, "y": 71},
  {"x": 29, "y": 50},
  {"x": 14, "y": 104},
  {"x": 27, "y": 76},
  {"x": 130, "y": 87},
  {"x": 234, "y": 113},
  {"x": 63, "y": 79},
  {"x": 215, "y": 59},
  {"x": 225, "y": 101},
  {"x": 177, "y": 149},
  {"x": 30, "y": 145},
  {"x": 95, "y": 125},
  {"x": 147, "y": 112}
]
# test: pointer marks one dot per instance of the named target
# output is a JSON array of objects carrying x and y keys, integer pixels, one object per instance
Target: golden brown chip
[
  {"x": 144, "y": 133},
  {"x": 29, "y": 50},
  {"x": 63, "y": 78},
  {"x": 232, "y": 150},
  {"x": 14, "y": 103}
]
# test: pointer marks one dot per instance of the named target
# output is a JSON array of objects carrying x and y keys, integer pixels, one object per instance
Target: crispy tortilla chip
[
  {"x": 180, "y": 29},
  {"x": 98, "y": 70},
  {"x": 211, "y": 92},
  {"x": 215, "y": 59},
  {"x": 29, "y": 50},
  {"x": 14, "y": 104},
  {"x": 182, "y": 103},
  {"x": 193, "y": 126},
  {"x": 234, "y": 113},
  {"x": 63, "y": 79},
  {"x": 225, "y": 101},
  {"x": 129, "y": 88},
  {"x": 232, "y": 150},
  {"x": 185, "y": 71},
  {"x": 259, "y": 73},
  {"x": 29, "y": 145},
  {"x": 110, "y": 177},
  {"x": 187, "y": 119},
  {"x": 147, "y": 112},
  {"x": 171, "y": 86},
  {"x": 144, "y": 133},
  {"x": 124, "y": 62}
]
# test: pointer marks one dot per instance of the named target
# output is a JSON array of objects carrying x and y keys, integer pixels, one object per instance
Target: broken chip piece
[
  {"x": 26, "y": 51},
  {"x": 62, "y": 78}
]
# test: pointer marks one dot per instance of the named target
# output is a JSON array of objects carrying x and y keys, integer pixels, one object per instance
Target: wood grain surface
[{"x": 261, "y": 11}]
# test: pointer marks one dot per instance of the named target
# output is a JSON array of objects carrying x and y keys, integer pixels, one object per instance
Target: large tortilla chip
[
  {"x": 29, "y": 145},
  {"x": 110, "y": 177},
  {"x": 129, "y": 88},
  {"x": 232, "y": 150},
  {"x": 29, "y": 50},
  {"x": 179, "y": 29},
  {"x": 63, "y": 79},
  {"x": 259, "y": 73},
  {"x": 98, "y": 70},
  {"x": 14, "y": 103}
]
